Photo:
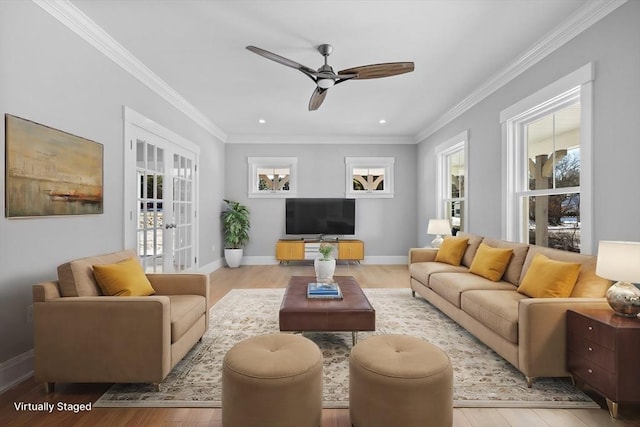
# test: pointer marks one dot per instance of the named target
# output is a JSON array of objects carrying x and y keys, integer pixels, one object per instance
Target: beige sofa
[
  {"x": 82, "y": 336},
  {"x": 530, "y": 333}
]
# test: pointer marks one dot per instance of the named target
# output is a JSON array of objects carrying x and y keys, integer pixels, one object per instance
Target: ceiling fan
[{"x": 325, "y": 78}]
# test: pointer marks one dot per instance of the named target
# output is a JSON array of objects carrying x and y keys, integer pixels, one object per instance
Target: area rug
[{"x": 481, "y": 377}]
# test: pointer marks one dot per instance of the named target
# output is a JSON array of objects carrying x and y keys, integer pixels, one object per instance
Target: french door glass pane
[
  {"x": 150, "y": 227},
  {"x": 182, "y": 212}
]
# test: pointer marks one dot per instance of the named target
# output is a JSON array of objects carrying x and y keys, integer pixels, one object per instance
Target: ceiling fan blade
[
  {"x": 282, "y": 60},
  {"x": 376, "y": 71},
  {"x": 317, "y": 98}
]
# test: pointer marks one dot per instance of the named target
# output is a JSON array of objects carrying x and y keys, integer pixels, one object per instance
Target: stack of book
[{"x": 324, "y": 291}]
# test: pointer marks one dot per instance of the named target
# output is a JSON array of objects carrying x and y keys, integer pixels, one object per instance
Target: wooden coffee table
[{"x": 352, "y": 313}]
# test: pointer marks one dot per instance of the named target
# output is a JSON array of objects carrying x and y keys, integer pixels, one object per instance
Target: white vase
[
  {"x": 324, "y": 270},
  {"x": 233, "y": 257}
]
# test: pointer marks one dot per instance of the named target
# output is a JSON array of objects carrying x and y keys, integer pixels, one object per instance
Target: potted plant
[
  {"x": 325, "y": 265},
  {"x": 235, "y": 224}
]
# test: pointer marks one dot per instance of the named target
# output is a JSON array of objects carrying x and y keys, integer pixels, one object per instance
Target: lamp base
[
  {"x": 624, "y": 299},
  {"x": 437, "y": 241}
]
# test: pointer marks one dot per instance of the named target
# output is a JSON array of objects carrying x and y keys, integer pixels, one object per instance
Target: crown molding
[
  {"x": 72, "y": 17},
  {"x": 330, "y": 139},
  {"x": 579, "y": 21}
]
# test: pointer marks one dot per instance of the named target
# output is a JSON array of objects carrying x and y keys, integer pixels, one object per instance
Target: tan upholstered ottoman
[
  {"x": 399, "y": 380},
  {"x": 272, "y": 381}
]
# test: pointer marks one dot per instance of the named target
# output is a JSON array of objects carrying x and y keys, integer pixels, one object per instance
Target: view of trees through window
[
  {"x": 368, "y": 179},
  {"x": 552, "y": 202},
  {"x": 455, "y": 189},
  {"x": 273, "y": 179}
]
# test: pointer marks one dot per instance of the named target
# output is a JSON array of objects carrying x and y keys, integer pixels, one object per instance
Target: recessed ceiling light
[
  {"x": 262, "y": 121},
  {"x": 382, "y": 121}
]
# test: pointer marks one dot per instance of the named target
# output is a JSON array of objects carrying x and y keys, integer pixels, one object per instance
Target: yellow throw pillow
[
  {"x": 547, "y": 278},
  {"x": 452, "y": 250},
  {"x": 490, "y": 262},
  {"x": 125, "y": 278}
]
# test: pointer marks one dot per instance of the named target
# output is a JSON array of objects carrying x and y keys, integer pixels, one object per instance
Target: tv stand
[{"x": 301, "y": 250}]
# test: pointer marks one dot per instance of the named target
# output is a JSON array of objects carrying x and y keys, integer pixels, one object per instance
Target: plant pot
[
  {"x": 233, "y": 257},
  {"x": 324, "y": 270}
]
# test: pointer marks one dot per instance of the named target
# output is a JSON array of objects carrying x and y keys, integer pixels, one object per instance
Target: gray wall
[
  {"x": 385, "y": 225},
  {"x": 51, "y": 76},
  {"x": 613, "y": 44}
]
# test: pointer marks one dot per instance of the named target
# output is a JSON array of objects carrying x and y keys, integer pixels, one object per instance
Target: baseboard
[
  {"x": 211, "y": 267},
  {"x": 16, "y": 370},
  {"x": 386, "y": 260},
  {"x": 372, "y": 260},
  {"x": 259, "y": 260}
]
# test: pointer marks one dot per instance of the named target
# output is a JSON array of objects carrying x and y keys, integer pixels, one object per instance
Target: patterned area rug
[{"x": 481, "y": 377}]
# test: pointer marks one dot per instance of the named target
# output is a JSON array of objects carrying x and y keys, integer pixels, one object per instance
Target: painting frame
[{"x": 50, "y": 172}]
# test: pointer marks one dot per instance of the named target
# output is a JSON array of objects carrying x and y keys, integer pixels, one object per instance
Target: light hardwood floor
[{"x": 222, "y": 280}]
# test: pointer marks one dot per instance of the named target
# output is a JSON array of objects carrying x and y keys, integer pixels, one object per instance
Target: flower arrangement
[{"x": 326, "y": 249}]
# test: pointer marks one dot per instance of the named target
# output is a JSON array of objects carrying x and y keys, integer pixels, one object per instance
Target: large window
[
  {"x": 451, "y": 192},
  {"x": 369, "y": 176},
  {"x": 548, "y": 165},
  {"x": 272, "y": 176}
]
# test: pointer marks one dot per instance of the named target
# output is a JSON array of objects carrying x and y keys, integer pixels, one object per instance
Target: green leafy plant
[
  {"x": 235, "y": 224},
  {"x": 325, "y": 250}
]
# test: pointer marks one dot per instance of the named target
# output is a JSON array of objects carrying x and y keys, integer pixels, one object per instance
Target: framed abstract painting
[{"x": 50, "y": 172}]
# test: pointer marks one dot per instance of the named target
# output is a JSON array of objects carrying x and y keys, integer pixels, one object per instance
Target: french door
[{"x": 162, "y": 218}]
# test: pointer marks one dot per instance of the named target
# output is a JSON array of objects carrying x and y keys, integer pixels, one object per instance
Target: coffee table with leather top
[{"x": 352, "y": 313}]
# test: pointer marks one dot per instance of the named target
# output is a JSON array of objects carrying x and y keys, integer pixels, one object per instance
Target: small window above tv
[
  {"x": 369, "y": 177},
  {"x": 272, "y": 176}
]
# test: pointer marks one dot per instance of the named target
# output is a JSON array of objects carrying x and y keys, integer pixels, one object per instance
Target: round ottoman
[
  {"x": 399, "y": 380},
  {"x": 272, "y": 380}
]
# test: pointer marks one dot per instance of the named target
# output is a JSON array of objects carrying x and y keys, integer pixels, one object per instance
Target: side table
[{"x": 602, "y": 352}]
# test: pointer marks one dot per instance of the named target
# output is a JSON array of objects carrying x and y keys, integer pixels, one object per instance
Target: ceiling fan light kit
[
  {"x": 325, "y": 78},
  {"x": 325, "y": 83}
]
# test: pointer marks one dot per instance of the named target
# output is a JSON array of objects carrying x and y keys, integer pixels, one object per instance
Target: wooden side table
[{"x": 602, "y": 352}]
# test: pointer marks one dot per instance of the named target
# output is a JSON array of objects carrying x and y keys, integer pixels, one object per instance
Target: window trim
[
  {"x": 254, "y": 163},
  {"x": 442, "y": 151},
  {"x": 577, "y": 85},
  {"x": 385, "y": 163}
]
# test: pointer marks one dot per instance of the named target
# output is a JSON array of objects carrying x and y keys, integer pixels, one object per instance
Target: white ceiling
[{"x": 198, "y": 48}]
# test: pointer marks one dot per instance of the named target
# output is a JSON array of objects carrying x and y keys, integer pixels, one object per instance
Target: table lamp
[
  {"x": 620, "y": 261},
  {"x": 438, "y": 227}
]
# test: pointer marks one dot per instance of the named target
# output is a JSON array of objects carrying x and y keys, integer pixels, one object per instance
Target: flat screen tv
[{"x": 320, "y": 216}]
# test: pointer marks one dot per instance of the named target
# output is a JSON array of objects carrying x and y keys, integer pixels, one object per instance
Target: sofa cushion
[
  {"x": 497, "y": 310},
  {"x": 124, "y": 278},
  {"x": 547, "y": 278},
  {"x": 588, "y": 284},
  {"x": 514, "y": 268},
  {"x": 76, "y": 277},
  {"x": 472, "y": 247},
  {"x": 490, "y": 262},
  {"x": 451, "y": 285},
  {"x": 421, "y": 271},
  {"x": 185, "y": 311},
  {"x": 452, "y": 250}
]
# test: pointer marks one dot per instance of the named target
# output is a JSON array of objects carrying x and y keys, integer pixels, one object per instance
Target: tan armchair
[{"x": 82, "y": 336}]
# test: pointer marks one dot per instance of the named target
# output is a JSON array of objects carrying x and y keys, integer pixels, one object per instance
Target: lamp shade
[
  {"x": 439, "y": 227},
  {"x": 619, "y": 261}
]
